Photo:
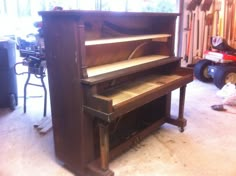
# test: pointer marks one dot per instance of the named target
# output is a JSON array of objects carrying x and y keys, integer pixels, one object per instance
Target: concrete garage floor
[{"x": 206, "y": 148}]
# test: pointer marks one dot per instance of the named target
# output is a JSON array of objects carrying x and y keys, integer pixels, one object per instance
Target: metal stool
[{"x": 37, "y": 68}]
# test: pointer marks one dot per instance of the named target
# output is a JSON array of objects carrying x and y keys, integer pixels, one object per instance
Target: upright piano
[{"x": 111, "y": 75}]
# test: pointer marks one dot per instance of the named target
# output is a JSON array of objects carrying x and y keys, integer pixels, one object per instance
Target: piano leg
[
  {"x": 100, "y": 167},
  {"x": 104, "y": 145},
  {"x": 180, "y": 121},
  {"x": 181, "y": 118}
]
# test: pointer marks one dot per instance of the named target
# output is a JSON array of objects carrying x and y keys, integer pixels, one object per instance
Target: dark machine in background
[
  {"x": 8, "y": 83},
  {"x": 31, "y": 49}
]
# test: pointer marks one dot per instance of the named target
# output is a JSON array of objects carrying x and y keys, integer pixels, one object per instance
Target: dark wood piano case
[{"x": 111, "y": 75}]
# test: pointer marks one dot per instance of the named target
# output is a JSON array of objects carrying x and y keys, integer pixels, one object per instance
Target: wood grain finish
[
  {"x": 155, "y": 37},
  {"x": 110, "y": 78},
  {"x": 99, "y": 70},
  {"x": 138, "y": 87}
]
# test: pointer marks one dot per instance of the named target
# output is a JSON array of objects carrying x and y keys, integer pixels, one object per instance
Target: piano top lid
[{"x": 80, "y": 13}]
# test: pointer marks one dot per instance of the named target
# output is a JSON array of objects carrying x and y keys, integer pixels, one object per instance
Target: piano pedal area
[{"x": 137, "y": 144}]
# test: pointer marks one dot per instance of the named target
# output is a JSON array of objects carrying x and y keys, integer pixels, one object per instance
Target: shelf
[
  {"x": 102, "y": 69},
  {"x": 155, "y": 37},
  {"x": 139, "y": 87},
  {"x": 101, "y": 73}
]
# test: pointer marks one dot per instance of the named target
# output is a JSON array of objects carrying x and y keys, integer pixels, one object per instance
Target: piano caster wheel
[{"x": 181, "y": 129}]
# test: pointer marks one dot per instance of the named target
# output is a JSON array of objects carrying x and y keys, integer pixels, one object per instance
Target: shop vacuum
[{"x": 8, "y": 83}]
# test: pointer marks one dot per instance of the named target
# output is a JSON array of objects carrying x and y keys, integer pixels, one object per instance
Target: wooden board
[
  {"x": 139, "y": 87},
  {"x": 98, "y": 70},
  {"x": 126, "y": 39}
]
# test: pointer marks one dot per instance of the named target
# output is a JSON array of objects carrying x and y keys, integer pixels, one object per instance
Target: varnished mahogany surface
[{"x": 110, "y": 78}]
